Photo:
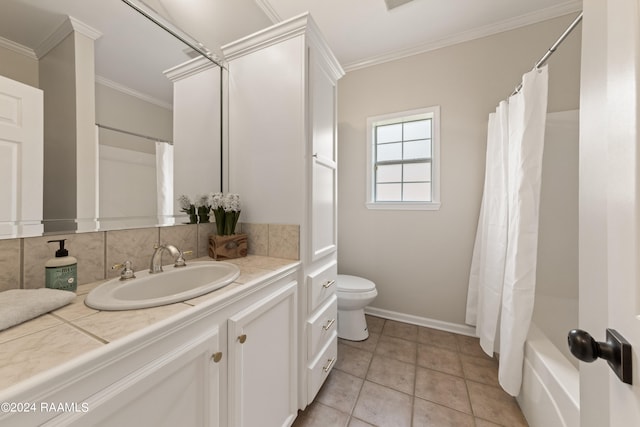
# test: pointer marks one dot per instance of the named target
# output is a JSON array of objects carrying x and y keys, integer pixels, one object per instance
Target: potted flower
[
  {"x": 203, "y": 207},
  {"x": 217, "y": 206},
  {"x": 189, "y": 208},
  {"x": 231, "y": 207},
  {"x": 226, "y": 243}
]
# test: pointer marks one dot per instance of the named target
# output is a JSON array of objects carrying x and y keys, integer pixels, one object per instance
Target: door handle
[{"x": 615, "y": 350}]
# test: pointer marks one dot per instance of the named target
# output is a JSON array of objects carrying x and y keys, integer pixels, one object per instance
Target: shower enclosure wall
[
  {"x": 550, "y": 389},
  {"x": 556, "y": 298}
]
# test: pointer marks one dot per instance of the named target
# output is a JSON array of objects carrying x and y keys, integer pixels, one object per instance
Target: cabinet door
[
  {"x": 263, "y": 362},
  {"x": 324, "y": 168},
  {"x": 180, "y": 388}
]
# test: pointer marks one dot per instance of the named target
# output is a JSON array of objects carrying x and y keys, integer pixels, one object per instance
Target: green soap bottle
[{"x": 61, "y": 272}]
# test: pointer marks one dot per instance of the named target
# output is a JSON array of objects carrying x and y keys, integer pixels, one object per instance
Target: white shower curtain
[
  {"x": 164, "y": 175},
  {"x": 503, "y": 268}
]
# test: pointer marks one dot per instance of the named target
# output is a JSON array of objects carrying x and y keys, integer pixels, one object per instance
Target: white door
[
  {"x": 609, "y": 204},
  {"x": 21, "y": 158}
]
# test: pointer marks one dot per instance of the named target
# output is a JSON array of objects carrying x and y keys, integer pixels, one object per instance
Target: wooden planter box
[{"x": 227, "y": 247}]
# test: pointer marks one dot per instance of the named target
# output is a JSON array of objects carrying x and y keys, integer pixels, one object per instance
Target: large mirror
[{"x": 104, "y": 75}]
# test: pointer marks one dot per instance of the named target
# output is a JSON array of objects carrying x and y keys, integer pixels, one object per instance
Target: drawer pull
[
  {"x": 329, "y": 284},
  {"x": 242, "y": 338},
  {"x": 329, "y": 324},
  {"x": 329, "y": 365},
  {"x": 216, "y": 357}
]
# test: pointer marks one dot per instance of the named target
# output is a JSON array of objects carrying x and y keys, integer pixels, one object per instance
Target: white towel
[{"x": 20, "y": 305}]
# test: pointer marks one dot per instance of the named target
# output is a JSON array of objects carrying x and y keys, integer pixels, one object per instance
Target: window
[{"x": 403, "y": 160}]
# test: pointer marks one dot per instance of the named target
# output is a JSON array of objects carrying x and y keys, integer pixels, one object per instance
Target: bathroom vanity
[
  {"x": 254, "y": 352},
  {"x": 225, "y": 358}
]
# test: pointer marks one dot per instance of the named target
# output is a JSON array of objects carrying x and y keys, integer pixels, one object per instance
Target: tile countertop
[{"x": 60, "y": 335}]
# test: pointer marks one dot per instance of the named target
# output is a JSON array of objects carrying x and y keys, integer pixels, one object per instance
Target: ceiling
[
  {"x": 130, "y": 51},
  {"x": 365, "y": 32},
  {"x": 360, "y": 32}
]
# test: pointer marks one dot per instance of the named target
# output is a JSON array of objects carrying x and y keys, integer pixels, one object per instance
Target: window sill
[{"x": 405, "y": 206}]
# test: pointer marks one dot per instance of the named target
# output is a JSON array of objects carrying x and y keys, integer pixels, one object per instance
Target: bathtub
[{"x": 550, "y": 394}]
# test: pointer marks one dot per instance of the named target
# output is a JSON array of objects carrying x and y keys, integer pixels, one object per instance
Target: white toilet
[{"x": 354, "y": 294}]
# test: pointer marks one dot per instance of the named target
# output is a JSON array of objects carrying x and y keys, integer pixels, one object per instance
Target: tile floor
[{"x": 406, "y": 375}]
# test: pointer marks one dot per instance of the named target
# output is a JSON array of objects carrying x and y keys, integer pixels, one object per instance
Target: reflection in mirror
[{"x": 91, "y": 154}]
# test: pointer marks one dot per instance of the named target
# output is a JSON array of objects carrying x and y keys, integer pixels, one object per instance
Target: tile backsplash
[{"x": 22, "y": 260}]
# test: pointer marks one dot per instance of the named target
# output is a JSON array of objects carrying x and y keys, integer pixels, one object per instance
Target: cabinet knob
[
  {"x": 329, "y": 324},
  {"x": 328, "y": 284},
  {"x": 216, "y": 357},
  {"x": 242, "y": 338}
]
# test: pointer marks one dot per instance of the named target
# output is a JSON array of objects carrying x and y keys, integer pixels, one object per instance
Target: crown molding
[
  {"x": 189, "y": 68},
  {"x": 18, "y": 48},
  {"x": 488, "y": 30},
  {"x": 68, "y": 26},
  {"x": 132, "y": 92},
  {"x": 317, "y": 40},
  {"x": 284, "y": 30}
]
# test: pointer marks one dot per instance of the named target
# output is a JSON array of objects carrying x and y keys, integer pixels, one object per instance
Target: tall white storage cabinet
[{"x": 283, "y": 162}]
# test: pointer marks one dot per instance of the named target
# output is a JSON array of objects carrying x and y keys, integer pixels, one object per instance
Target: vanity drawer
[
  {"x": 322, "y": 326},
  {"x": 319, "y": 369},
  {"x": 322, "y": 284}
]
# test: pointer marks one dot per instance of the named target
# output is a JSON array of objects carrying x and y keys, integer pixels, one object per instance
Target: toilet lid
[{"x": 348, "y": 283}]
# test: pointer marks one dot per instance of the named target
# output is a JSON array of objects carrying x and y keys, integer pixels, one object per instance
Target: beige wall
[
  {"x": 18, "y": 67},
  {"x": 123, "y": 111},
  {"x": 420, "y": 260}
]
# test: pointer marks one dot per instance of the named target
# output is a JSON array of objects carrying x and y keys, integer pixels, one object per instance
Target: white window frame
[{"x": 417, "y": 114}]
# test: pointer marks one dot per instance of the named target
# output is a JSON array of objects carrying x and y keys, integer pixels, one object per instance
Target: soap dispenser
[{"x": 61, "y": 272}]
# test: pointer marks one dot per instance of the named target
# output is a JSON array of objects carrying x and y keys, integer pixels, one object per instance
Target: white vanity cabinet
[
  {"x": 187, "y": 370},
  {"x": 282, "y": 144},
  {"x": 181, "y": 387},
  {"x": 262, "y": 351}
]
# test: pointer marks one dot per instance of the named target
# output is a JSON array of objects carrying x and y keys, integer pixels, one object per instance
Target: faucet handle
[
  {"x": 180, "y": 262},
  {"x": 127, "y": 272}
]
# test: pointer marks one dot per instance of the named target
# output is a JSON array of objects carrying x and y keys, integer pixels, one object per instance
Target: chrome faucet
[
  {"x": 156, "y": 259},
  {"x": 127, "y": 272}
]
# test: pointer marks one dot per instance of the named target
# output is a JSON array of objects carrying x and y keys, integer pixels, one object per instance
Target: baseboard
[{"x": 422, "y": 321}]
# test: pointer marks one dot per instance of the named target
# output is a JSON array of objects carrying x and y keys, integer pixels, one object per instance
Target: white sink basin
[{"x": 171, "y": 285}]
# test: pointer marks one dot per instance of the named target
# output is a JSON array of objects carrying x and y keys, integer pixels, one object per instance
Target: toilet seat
[{"x": 347, "y": 283}]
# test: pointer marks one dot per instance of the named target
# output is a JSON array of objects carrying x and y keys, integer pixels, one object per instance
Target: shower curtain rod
[
  {"x": 151, "y": 138},
  {"x": 553, "y": 48}
]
